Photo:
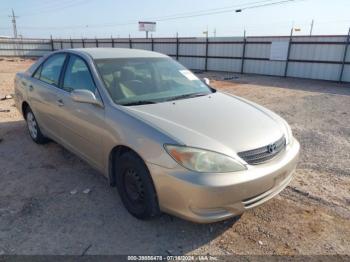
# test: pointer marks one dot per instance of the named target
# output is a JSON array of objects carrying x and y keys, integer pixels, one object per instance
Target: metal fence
[{"x": 314, "y": 57}]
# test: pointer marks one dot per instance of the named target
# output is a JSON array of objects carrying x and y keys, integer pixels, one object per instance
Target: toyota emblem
[{"x": 271, "y": 148}]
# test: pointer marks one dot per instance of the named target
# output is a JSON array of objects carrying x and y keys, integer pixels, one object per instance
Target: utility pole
[
  {"x": 311, "y": 27},
  {"x": 206, "y": 33},
  {"x": 14, "y": 24}
]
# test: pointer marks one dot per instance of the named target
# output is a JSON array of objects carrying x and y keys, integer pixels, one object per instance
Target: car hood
[{"x": 217, "y": 122}]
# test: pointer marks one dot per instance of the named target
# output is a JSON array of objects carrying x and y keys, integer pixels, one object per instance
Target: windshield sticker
[{"x": 189, "y": 75}]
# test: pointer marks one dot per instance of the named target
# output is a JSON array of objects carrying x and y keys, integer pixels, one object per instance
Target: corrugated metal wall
[{"x": 316, "y": 57}]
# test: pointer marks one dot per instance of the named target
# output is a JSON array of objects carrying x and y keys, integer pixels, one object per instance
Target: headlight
[{"x": 202, "y": 160}]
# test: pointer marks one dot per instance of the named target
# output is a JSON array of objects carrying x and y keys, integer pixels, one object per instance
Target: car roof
[{"x": 106, "y": 53}]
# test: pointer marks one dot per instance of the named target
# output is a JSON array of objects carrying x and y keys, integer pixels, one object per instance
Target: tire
[
  {"x": 135, "y": 187},
  {"x": 33, "y": 128}
]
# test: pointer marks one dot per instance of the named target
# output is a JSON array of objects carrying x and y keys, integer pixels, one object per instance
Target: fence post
[
  {"x": 23, "y": 56},
  {"x": 152, "y": 44},
  {"x": 71, "y": 43},
  {"x": 52, "y": 46},
  {"x": 243, "y": 52},
  {"x": 206, "y": 53},
  {"x": 344, "y": 57},
  {"x": 83, "y": 42},
  {"x": 112, "y": 41},
  {"x": 177, "y": 47},
  {"x": 288, "y": 52}
]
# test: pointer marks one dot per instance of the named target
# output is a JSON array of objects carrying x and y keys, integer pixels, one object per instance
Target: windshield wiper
[
  {"x": 140, "y": 102},
  {"x": 187, "y": 96}
]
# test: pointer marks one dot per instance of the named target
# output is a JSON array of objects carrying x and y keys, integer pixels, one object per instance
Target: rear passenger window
[
  {"x": 37, "y": 73},
  {"x": 51, "y": 69},
  {"x": 77, "y": 75}
]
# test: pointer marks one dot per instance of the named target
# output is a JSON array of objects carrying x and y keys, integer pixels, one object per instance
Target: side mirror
[
  {"x": 85, "y": 96},
  {"x": 206, "y": 80}
]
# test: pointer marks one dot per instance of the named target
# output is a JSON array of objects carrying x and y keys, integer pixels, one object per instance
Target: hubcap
[
  {"x": 134, "y": 188},
  {"x": 32, "y": 125}
]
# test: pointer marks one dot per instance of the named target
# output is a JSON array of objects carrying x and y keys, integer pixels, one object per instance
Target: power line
[
  {"x": 208, "y": 10},
  {"x": 268, "y": 4},
  {"x": 41, "y": 8},
  {"x": 60, "y": 7},
  {"x": 161, "y": 18},
  {"x": 227, "y": 9}
]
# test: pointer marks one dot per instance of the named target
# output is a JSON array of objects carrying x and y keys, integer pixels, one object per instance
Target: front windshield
[{"x": 133, "y": 81}]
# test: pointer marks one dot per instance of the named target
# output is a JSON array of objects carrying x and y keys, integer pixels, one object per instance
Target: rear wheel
[
  {"x": 33, "y": 128},
  {"x": 136, "y": 187}
]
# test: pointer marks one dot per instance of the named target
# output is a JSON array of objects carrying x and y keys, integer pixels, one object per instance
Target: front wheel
[
  {"x": 33, "y": 128},
  {"x": 136, "y": 187}
]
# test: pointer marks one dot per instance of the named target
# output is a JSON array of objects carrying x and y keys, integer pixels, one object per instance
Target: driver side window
[{"x": 78, "y": 76}]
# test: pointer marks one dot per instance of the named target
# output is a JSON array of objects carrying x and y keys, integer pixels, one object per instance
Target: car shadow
[{"x": 46, "y": 208}]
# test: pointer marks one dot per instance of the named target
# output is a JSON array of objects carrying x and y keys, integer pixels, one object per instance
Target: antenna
[{"x": 14, "y": 24}]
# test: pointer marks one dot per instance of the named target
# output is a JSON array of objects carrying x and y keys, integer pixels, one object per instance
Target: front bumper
[{"x": 210, "y": 197}]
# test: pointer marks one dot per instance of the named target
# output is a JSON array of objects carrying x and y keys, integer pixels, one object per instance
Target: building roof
[{"x": 104, "y": 53}]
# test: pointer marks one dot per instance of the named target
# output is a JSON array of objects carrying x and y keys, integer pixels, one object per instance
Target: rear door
[
  {"x": 44, "y": 94},
  {"x": 82, "y": 124}
]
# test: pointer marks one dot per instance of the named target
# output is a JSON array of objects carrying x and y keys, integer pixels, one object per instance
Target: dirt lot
[{"x": 39, "y": 215}]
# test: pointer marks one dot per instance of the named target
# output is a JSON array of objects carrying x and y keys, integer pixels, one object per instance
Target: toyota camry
[{"x": 166, "y": 139}]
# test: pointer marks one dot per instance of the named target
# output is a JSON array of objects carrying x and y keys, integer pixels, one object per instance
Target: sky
[{"x": 188, "y": 18}]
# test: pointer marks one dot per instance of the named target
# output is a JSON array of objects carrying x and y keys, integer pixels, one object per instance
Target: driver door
[{"x": 83, "y": 124}]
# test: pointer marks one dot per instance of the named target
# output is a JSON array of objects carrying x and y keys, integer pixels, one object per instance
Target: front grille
[{"x": 265, "y": 153}]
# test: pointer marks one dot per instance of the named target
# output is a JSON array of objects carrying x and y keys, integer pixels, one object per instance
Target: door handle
[
  {"x": 31, "y": 88},
  {"x": 60, "y": 103}
]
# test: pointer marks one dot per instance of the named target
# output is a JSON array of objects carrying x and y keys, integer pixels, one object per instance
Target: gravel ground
[{"x": 43, "y": 209}]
